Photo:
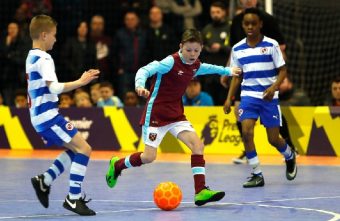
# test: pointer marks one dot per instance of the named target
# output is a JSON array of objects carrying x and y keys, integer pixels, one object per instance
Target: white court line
[{"x": 336, "y": 216}]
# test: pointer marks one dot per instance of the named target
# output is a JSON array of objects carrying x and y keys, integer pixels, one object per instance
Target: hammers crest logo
[{"x": 152, "y": 136}]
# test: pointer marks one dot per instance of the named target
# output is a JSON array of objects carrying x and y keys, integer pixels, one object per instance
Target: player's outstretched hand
[
  {"x": 89, "y": 76},
  {"x": 227, "y": 106},
  {"x": 142, "y": 92},
  {"x": 236, "y": 71}
]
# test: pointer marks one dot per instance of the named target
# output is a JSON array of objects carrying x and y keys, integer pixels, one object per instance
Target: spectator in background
[
  {"x": 82, "y": 99},
  {"x": 78, "y": 54},
  {"x": 130, "y": 49},
  {"x": 131, "y": 99},
  {"x": 20, "y": 99},
  {"x": 12, "y": 61},
  {"x": 107, "y": 96},
  {"x": 335, "y": 89},
  {"x": 103, "y": 47},
  {"x": 182, "y": 14},
  {"x": 161, "y": 40},
  {"x": 66, "y": 100},
  {"x": 27, "y": 9},
  {"x": 216, "y": 49},
  {"x": 95, "y": 93},
  {"x": 141, "y": 7},
  {"x": 194, "y": 96}
]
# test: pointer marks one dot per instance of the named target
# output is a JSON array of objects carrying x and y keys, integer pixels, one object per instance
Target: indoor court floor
[{"x": 313, "y": 195}]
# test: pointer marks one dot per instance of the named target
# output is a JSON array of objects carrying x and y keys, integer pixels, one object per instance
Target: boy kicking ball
[{"x": 164, "y": 112}]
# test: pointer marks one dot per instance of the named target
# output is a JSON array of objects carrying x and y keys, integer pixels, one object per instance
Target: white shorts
[{"x": 153, "y": 136}]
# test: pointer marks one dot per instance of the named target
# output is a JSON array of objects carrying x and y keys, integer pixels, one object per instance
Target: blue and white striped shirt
[
  {"x": 43, "y": 104},
  {"x": 259, "y": 65}
]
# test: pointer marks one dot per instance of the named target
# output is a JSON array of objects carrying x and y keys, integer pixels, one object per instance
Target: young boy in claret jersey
[{"x": 164, "y": 111}]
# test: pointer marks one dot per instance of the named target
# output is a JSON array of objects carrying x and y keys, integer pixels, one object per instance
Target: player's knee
[
  {"x": 148, "y": 158},
  {"x": 86, "y": 150},
  {"x": 197, "y": 147}
]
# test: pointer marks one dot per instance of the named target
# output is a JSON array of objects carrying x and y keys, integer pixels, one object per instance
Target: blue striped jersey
[
  {"x": 42, "y": 103},
  {"x": 259, "y": 65}
]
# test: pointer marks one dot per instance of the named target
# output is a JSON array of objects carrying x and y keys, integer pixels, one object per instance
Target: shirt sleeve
[
  {"x": 155, "y": 67},
  {"x": 277, "y": 57},
  {"x": 233, "y": 60},
  {"x": 212, "y": 69},
  {"x": 47, "y": 69}
]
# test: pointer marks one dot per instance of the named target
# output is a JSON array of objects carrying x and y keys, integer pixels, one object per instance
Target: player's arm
[
  {"x": 56, "y": 87},
  {"x": 149, "y": 70},
  {"x": 268, "y": 94},
  {"x": 216, "y": 69}
]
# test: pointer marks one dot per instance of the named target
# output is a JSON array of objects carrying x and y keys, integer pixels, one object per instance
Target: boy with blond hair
[{"x": 43, "y": 89}]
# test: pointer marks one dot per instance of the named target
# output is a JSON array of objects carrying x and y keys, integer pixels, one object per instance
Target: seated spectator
[
  {"x": 66, "y": 100},
  {"x": 195, "y": 97},
  {"x": 95, "y": 93},
  {"x": 335, "y": 89},
  {"x": 20, "y": 99},
  {"x": 107, "y": 96},
  {"x": 82, "y": 99},
  {"x": 131, "y": 99}
]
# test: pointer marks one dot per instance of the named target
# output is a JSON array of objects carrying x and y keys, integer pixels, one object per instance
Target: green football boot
[
  {"x": 206, "y": 195},
  {"x": 111, "y": 178}
]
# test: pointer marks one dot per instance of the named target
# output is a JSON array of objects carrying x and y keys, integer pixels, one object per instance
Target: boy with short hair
[
  {"x": 164, "y": 112},
  {"x": 107, "y": 97},
  {"x": 20, "y": 99},
  {"x": 264, "y": 70},
  {"x": 43, "y": 89}
]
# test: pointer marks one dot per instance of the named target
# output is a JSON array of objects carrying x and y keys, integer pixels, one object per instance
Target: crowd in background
[{"x": 117, "y": 38}]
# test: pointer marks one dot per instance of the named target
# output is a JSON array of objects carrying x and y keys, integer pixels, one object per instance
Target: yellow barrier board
[{"x": 314, "y": 130}]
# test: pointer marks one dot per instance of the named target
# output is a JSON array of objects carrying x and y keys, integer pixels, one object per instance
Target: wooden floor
[{"x": 171, "y": 157}]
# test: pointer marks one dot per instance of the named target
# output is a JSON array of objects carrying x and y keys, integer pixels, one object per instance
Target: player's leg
[
  {"x": 152, "y": 137},
  {"x": 248, "y": 115},
  {"x": 42, "y": 182},
  {"x": 256, "y": 179},
  {"x": 117, "y": 165},
  {"x": 271, "y": 119},
  {"x": 74, "y": 202},
  {"x": 57, "y": 134},
  {"x": 242, "y": 158},
  {"x": 284, "y": 132},
  {"x": 184, "y": 132},
  {"x": 282, "y": 146}
]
